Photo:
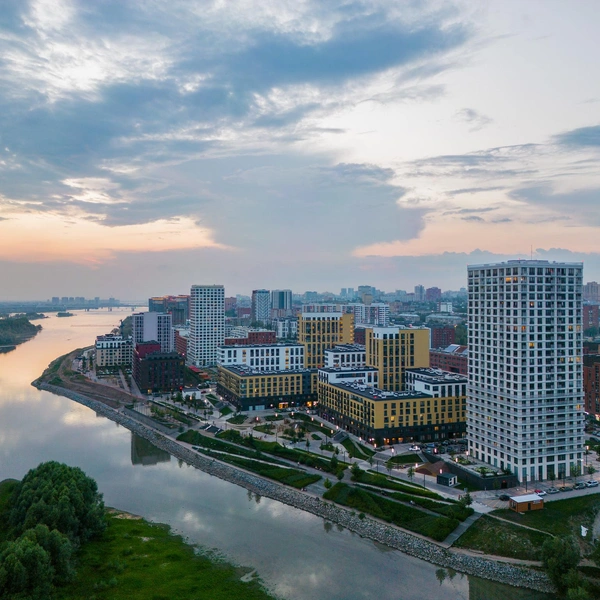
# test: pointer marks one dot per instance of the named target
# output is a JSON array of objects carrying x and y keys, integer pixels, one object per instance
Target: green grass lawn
[
  {"x": 406, "y": 459},
  {"x": 136, "y": 560},
  {"x": 237, "y": 420},
  {"x": 408, "y": 517},
  {"x": 357, "y": 450},
  {"x": 502, "y": 539},
  {"x": 382, "y": 481},
  {"x": 562, "y": 517}
]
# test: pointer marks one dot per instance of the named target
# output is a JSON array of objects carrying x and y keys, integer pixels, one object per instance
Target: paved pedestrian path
[{"x": 460, "y": 530}]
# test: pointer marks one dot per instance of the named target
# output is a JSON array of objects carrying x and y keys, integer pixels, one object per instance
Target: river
[{"x": 297, "y": 555}]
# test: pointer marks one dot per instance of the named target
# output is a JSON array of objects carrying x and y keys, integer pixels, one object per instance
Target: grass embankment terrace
[
  {"x": 357, "y": 450},
  {"x": 412, "y": 519},
  {"x": 251, "y": 459},
  {"x": 560, "y": 517},
  {"x": 382, "y": 481},
  {"x": 406, "y": 459},
  {"x": 498, "y": 538}
]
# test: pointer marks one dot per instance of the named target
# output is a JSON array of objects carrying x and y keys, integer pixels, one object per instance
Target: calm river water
[{"x": 298, "y": 555}]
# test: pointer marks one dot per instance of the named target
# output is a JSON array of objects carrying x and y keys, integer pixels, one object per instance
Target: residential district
[{"x": 501, "y": 364}]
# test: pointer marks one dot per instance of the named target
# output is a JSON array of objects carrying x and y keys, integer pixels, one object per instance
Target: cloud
[
  {"x": 474, "y": 118},
  {"x": 584, "y": 137}
]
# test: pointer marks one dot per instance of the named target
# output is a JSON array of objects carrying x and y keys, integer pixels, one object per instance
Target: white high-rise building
[
  {"x": 525, "y": 392},
  {"x": 261, "y": 305},
  {"x": 207, "y": 324},
  {"x": 154, "y": 326}
]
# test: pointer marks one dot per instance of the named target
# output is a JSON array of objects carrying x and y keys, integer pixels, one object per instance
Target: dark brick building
[
  {"x": 454, "y": 358},
  {"x": 254, "y": 337},
  {"x": 156, "y": 371},
  {"x": 591, "y": 383},
  {"x": 442, "y": 337}
]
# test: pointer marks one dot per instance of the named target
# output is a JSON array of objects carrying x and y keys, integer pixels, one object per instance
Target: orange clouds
[{"x": 46, "y": 237}]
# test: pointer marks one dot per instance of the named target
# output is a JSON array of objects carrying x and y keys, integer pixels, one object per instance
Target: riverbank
[
  {"x": 15, "y": 331},
  {"x": 366, "y": 527},
  {"x": 134, "y": 559}
]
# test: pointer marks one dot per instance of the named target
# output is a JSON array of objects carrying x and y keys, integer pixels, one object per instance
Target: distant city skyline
[{"x": 302, "y": 145}]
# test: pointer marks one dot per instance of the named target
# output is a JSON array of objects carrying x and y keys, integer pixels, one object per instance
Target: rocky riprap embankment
[{"x": 366, "y": 527}]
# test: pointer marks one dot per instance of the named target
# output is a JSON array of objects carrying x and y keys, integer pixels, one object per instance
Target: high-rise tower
[
  {"x": 525, "y": 392},
  {"x": 207, "y": 324}
]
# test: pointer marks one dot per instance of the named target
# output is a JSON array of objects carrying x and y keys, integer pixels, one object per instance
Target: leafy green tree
[
  {"x": 411, "y": 473},
  {"x": 355, "y": 471},
  {"x": 59, "y": 549},
  {"x": 591, "y": 469},
  {"x": 466, "y": 499},
  {"x": 26, "y": 571},
  {"x": 559, "y": 556},
  {"x": 60, "y": 497}
]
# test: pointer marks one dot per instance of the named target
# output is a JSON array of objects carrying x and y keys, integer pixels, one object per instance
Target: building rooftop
[
  {"x": 265, "y": 345},
  {"x": 438, "y": 375},
  {"x": 346, "y": 348},
  {"x": 246, "y": 371},
  {"x": 347, "y": 369},
  {"x": 526, "y": 262},
  {"x": 371, "y": 393},
  {"x": 453, "y": 349}
]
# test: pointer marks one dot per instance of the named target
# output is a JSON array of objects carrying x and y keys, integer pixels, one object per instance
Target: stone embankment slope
[{"x": 366, "y": 527}]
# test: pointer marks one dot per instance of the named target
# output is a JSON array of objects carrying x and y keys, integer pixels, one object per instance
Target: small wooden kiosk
[{"x": 526, "y": 503}]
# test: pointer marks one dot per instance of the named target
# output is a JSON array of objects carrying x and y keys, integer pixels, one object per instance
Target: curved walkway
[{"x": 383, "y": 533}]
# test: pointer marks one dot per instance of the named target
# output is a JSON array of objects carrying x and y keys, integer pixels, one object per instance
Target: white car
[
  {"x": 591, "y": 483},
  {"x": 415, "y": 448}
]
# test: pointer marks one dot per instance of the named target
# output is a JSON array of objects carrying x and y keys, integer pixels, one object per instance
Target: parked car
[
  {"x": 540, "y": 492},
  {"x": 591, "y": 483},
  {"x": 579, "y": 486},
  {"x": 553, "y": 490},
  {"x": 566, "y": 488},
  {"x": 415, "y": 448},
  {"x": 504, "y": 497}
]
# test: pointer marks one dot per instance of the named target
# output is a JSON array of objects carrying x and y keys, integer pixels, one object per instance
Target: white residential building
[
  {"x": 154, "y": 327},
  {"x": 345, "y": 356},
  {"x": 263, "y": 357},
  {"x": 525, "y": 391},
  {"x": 286, "y": 328},
  {"x": 207, "y": 324},
  {"x": 113, "y": 350}
]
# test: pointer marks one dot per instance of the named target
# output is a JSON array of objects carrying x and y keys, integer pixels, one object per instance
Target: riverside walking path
[{"x": 311, "y": 502}]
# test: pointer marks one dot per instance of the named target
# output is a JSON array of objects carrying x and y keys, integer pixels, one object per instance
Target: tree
[
  {"x": 355, "y": 471},
  {"x": 559, "y": 556},
  {"x": 59, "y": 549},
  {"x": 389, "y": 465},
  {"x": 411, "y": 473},
  {"x": 575, "y": 471},
  {"x": 25, "y": 571},
  {"x": 62, "y": 498},
  {"x": 591, "y": 469},
  {"x": 340, "y": 475},
  {"x": 551, "y": 476},
  {"x": 466, "y": 499}
]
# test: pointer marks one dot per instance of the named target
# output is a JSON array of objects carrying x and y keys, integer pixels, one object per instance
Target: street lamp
[{"x": 587, "y": 451}]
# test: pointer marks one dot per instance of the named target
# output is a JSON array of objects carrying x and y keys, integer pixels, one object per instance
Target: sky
[{"x": 147, "y": 145}]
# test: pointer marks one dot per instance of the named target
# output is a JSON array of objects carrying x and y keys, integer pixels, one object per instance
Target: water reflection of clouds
[{"x": 193, "y": 521}]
